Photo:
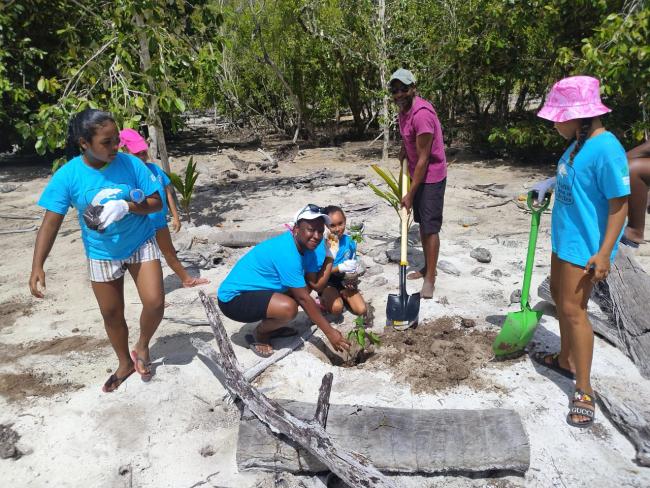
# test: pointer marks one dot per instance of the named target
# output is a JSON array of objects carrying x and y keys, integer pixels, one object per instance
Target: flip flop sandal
[
  {"x": 284, "y": 332},
  {"x": 416, "y": 275},
  {"x": 540, "y": 358},
  {"x": 114, "y": 381},
  {"x": 144, "y": 375},
  {"x": 581, "y": 397},
  {"x": 629, "y": 242},
  {"x": 254, "y": 345}
]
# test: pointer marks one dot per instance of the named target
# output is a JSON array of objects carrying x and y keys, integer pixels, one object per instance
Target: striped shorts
[{"x": 104, "y": 270}]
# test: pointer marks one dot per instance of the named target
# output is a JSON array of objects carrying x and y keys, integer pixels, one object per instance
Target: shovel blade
[
  {"x": 516, "y": 332},
  {"x": 402, "y": 311}
]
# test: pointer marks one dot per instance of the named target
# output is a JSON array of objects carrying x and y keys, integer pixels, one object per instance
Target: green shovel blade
[{"x": 516, "y": 333}]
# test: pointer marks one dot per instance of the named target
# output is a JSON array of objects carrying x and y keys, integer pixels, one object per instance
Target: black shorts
[
  {"x": 336, "y": 281},
  {"x": 427, "y": 206},
  {"x": 248, "y": 306}
]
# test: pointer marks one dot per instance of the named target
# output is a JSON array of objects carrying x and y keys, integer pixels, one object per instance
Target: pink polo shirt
[{"x": 422, "y": 119}]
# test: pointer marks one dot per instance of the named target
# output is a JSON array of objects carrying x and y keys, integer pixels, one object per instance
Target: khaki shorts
[{"x": 104, "y": 270}]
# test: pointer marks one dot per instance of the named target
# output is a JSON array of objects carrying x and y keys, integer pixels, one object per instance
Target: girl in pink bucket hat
[
  {"x": 132, "y": 142},
  {"x": 592, "y": 185}
]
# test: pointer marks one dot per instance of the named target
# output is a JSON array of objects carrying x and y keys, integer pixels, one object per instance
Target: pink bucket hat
[
  {"x": 575, "y": 97},
  {"x": 133, "y": 141}
]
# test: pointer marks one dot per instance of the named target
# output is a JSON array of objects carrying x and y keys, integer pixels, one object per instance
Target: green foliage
[
  {"x": 356, "y": 233},
  {"x": 394, "y": 193},
  {"x": 360, "y": 334},
  {"x": 185, "y": 187}
]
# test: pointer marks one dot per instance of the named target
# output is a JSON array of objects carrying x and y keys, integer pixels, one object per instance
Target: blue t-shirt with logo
[
  {"x": 599, "y": 173},
  {"x": 347, "y": 250},
  {"x": 274, "y": 265},
  {"x": 79, "y": 185},
  {"x": 159, "y": 219}
]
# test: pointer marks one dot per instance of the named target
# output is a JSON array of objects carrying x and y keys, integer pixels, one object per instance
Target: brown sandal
[{"x": 114, "y": 381}]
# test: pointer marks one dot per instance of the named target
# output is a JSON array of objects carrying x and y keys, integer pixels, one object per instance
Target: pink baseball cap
[
  {"x": 575, "y": 97},
  {"x": 133, "y": 141}
]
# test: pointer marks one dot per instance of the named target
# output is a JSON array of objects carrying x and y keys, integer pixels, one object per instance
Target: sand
[{"x": 177, "y": 431}]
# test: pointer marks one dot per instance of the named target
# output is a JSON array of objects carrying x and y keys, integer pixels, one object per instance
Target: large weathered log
[
  {"x": 397, "y": 440},
  {"x": 352, "y": 468},
  {"x": 244, "y": 238}
]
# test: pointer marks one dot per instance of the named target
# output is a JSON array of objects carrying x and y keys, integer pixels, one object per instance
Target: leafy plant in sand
[
  {"x": 359, "y": 333},
  {"x": 394, "y": 193},
  {"x": 185, "y": 187}
]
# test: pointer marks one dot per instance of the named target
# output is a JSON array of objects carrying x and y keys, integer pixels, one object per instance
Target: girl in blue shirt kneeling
[
  {"x": 113, "y": 193},
  {"x": 591, "y": 192}
]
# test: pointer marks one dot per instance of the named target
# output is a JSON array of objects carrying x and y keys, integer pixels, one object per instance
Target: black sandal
[
  {"x": 540, "y": 358},
  {"x": 581, "y": 397},
  {"x": 114, "y": 381}
]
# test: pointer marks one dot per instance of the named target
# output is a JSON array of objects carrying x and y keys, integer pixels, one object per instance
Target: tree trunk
[
  {"x": 156, "y": 132},
  {"x": 385, "y": 124}
]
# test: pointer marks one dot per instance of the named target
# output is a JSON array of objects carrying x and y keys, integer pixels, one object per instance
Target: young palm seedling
[{"x": 185, "y": 186}]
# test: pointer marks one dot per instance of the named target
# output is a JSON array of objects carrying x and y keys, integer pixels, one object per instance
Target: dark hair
[
  {"x": 332, "y": 209},
  {"x": 84, "y": 124},
  {"x": 585, "y": 125}
]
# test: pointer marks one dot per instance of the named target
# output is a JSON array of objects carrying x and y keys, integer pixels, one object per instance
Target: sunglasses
[
  {"x": 400, "y": 89},
  {"x": 313, "y": 208}
]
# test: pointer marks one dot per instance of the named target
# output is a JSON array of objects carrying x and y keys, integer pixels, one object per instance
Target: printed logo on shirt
[
  {"x": 625, "y": 180},
  {"x": 99, "y": 196},
  {"x": 564, "y": 185},
  {"x": 153, "y": 177}
]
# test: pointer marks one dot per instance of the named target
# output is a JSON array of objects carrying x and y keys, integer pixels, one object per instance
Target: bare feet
[
  {"x": 191, "y": 282},
  {"x": 416, "y": 275},
  {"x": 427, "y": 289}
]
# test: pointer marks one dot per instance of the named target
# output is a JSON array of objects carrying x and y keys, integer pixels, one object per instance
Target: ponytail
[
  {"x": 84, "y": 124},
  {"x": 583, "y": 132}
]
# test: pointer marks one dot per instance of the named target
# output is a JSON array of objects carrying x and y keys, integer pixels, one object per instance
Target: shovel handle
[{"x": 404, "y": 215}]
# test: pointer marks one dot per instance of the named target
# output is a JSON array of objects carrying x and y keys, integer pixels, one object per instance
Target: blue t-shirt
[
  {"x": 582, "y": 190},
  {"x": 274, "y": 265},
  {"x": 347, "y": 250},
  {"x": 77, "y": 184},
  {"x": 159, "y": 219}
]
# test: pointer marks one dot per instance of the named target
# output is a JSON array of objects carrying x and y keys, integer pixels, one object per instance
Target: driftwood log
[
  {"x": 244, "y": 238},
  {"x": 352, "y": 468},
  {"x": 401, "y": 441}
]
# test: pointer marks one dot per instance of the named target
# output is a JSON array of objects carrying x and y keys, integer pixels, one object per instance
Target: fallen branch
[
  {"x": 491, "y": 190},
  {"x": 352, "y": 468},
  {"x": 18, "y": 231},
  {"x": 491, "y": 205},
  {"x": 266, "y": 155},
  {"x": 19, "y": 217}
]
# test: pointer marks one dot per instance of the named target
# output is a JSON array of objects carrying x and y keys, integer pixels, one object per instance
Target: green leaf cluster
[
  {"x": 185, "y": 186},
  {"x": 361, "y": 336}
]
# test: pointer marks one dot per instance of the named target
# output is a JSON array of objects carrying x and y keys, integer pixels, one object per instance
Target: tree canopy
[{"x": 297, "y": 65}]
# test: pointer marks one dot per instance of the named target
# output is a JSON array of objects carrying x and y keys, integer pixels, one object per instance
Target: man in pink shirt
[{"x": 424, "y": 150}]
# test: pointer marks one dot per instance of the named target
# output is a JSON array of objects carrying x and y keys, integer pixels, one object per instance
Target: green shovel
[{"x": 519, "y": 327}]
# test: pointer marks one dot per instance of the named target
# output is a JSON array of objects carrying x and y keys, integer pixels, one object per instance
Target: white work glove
[
  {"x": 543, "y": 187},
  {"x": 348, "y": 266},
  {"x": 112, "y": 211}
]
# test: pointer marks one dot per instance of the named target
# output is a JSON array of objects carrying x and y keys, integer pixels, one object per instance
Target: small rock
[
  {"x": 380, "y": 281},
  {"x": 515, "y": 296},
  {"x": 351, "y": 185},
  {"x": 125, "y": 469},
  {"x": 109, "y": 370},
  {"x": 232, "y": 174},
  {"x": 380, "y": 258},
  {"x": 478, "y": 271},
  {"x": 7, "y": 187},
  {"x": 497, "y": 273},
  {"x": 467, "y": 323},
  {"x": 8, "y": 439},
  {"x": 468, "y": 221},
  {"x": 481, "y": 254},
  {"x": 207, "y": 451},
  {"x": 374, "y": 270},
  {"x": 76, "y": 329},
  {"x": 447, "y": 267},
  {"x": 443, "y": 300}
]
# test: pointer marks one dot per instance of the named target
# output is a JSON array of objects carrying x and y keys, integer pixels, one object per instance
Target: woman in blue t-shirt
[
  {"x": 112, "y": 193},
  {"x": 133, "y": 143},
  {"x": 334, "y": 290},
  {"x": 591, "y": 192}
]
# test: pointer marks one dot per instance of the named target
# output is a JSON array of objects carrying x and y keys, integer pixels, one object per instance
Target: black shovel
[{"x": 402, "y": 310}]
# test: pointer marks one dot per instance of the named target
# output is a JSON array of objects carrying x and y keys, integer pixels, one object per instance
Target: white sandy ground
[{"x": 177, "y": 431}]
